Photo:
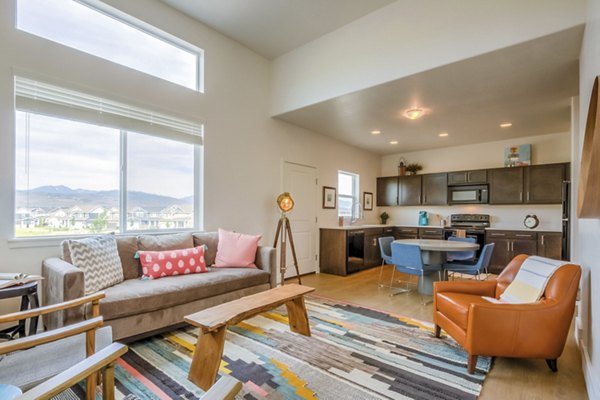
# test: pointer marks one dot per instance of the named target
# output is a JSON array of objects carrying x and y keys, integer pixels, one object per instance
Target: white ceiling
[
  {"x": 529, "y": 84},
  {"x": 275, "y": 27}
]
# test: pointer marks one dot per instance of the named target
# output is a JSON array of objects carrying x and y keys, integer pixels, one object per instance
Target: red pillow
[
  {"x": 236, "y": 249},
  {"x": 156, "y": 264}
]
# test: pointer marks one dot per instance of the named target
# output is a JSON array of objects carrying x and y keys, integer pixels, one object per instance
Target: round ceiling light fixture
[
  {"x": 506, "y": 125},
  {"x": 414, "y": 113},
  {"x": 394, "y": 142},
  {"x": 376, "y": 132},
  {"x": 443, "y": 134}
]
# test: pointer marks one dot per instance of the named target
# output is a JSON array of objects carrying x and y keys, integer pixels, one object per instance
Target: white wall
[
  {"x": 546, "y": 149},
  {"x": 588, "y": 235},
  {"x": 244, "y": 148},
  {"x": 407, "y": 37}
]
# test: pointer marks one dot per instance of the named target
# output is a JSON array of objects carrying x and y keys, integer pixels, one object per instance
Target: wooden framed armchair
[
  {"x": 483, "y": 328},
  {"x": 57, "y": 359}
]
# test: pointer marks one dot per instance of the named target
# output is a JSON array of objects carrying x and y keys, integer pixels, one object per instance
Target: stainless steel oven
[{"x": 477, "y": 194}]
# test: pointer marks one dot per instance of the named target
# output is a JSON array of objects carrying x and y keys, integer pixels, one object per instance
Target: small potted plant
[
  {"x": 413, "y": 168},
  {"x": 384, "y": 217}
]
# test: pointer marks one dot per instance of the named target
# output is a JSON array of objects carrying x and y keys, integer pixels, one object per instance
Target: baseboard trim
[{"x": 591, "y": 382}]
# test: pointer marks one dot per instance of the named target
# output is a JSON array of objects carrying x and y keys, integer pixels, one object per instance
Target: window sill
[{"x": 55, "y": 241}]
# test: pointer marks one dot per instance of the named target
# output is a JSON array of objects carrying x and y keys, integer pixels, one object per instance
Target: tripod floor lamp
[{"x": 284, "y": 233}]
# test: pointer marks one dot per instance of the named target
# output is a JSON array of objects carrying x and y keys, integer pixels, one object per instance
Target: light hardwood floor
[{"x": 508, "y": 379}]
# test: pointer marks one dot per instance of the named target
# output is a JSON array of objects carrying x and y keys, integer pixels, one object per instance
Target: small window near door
[{"x": 347, "y": 193}]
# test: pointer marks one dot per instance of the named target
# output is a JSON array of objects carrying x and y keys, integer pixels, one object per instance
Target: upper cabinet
[
  {"x": 543, "y": 183},
  {"x": 435, "y": 189},
  {"x": 387, "y": 191},
  {"x": 410, "y": 190},
  {"x": 538, "y": 184},
  {"x": 474, "y": 177},
  {"x": 506, "y": 185}
]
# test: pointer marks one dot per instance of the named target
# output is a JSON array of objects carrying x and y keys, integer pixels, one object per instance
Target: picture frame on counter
[
  {"x": 368, "y": 201},
  {"x": 329, "y": 197}
]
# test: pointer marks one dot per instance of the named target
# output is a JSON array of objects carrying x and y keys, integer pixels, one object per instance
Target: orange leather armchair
[{"x": 483, "y": 328}]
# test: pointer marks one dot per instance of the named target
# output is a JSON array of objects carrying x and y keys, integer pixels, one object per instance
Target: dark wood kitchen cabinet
[
  {"x": 537, "y": 184},
  {"x": 474, "y": 177},
  {"x": 402, "y": 232},
  {"x": 431, "y": 233},
  {"x": 435, "y": 189},
  {"x": 543, "y": 183},
  {"x": 509, "y": 244},
  {"x": 343, "y": 251},
  {"x": 549, "y": 245},
  {"x": 372, "y": 256},
  {"x": 387, "y": 191},
  {"x": 410, "y": 190},
  {"x": 506, "y": 185}
]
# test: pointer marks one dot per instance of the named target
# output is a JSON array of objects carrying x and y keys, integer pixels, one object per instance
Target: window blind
[{"x": 43, "y": 98}]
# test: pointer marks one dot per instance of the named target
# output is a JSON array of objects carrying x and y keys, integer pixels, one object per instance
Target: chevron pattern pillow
[{"x": 99, "y": 260}]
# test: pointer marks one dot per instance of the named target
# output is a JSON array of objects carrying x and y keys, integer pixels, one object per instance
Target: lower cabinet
[
  {"x": 431, "y": 233},
  {"x": 406, "y": 233},
  {"x": 509, "y": 244},
  {"x": 344, "y": 251}
]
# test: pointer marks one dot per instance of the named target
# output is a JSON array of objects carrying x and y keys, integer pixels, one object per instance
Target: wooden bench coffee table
[{"x": 213, "y": 324}]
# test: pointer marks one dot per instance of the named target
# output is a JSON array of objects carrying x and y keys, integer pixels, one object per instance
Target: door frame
[{"x": 315, "y": 202}]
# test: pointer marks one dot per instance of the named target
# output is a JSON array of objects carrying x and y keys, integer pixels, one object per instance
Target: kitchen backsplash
[{"x": 502, "y": 217}]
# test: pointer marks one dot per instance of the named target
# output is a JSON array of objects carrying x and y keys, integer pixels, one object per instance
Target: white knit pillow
[{"x": 99, "y": 260}]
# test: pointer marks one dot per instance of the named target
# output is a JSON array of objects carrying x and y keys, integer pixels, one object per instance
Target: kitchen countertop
[{"x": 367, "y": 226}]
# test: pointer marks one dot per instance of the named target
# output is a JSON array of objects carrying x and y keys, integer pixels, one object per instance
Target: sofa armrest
[
  {"x": 62, "y": 282},
  {"x": 265, "y": 260}
]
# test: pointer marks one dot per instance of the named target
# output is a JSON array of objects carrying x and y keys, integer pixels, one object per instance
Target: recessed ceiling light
[
  {"x": 375, "y": 132},
  {"x": 394, "y": 142},
  {"x": 443, "y": 134},
  {"x": 414, "y": 113},
  {"x": 506, "y": 125}
]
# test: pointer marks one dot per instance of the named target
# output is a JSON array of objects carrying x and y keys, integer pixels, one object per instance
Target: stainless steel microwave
[{"x": 468, "y": 194}]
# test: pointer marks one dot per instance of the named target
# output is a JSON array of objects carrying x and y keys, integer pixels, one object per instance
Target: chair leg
[
  {"x": 471, "y": 364},
  {"x": 438, "y": 331},
  {"x": 552, "y": 364},
  {"x": 393, "y": 290},
  {"x": 381, "y": 273}
]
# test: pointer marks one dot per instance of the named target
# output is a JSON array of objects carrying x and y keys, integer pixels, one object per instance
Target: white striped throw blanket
[{"x": 531, "y": 280}]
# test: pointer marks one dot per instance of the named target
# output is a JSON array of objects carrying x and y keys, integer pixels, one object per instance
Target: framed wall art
[{"x": 329, "y": 197}]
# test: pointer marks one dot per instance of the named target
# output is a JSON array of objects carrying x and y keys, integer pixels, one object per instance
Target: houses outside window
[{"x": 81, "y": 171}]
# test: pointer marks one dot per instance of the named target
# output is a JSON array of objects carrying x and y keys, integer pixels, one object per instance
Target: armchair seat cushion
[
  {"x": 455, "y": 306},
  {"x": 27, "y": 368},
  {"x": 136, "y": 296}
]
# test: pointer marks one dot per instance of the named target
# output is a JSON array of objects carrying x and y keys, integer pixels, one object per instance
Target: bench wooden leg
[
  {"x": 297, "y": 316},
  {"x": 207, "y": 358}
]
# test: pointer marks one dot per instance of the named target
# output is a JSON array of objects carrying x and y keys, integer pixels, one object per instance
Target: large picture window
[
  {"x": 79, "y": 171},
  {"x": 94, "y": 28},
  {"x": 347, "y": 194}
]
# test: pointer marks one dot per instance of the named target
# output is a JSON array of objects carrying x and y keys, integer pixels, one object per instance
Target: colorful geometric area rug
[{"x": 353, "y": 353}]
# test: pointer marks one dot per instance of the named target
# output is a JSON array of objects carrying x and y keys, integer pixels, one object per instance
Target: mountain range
[{"x": 50, "y": 197}]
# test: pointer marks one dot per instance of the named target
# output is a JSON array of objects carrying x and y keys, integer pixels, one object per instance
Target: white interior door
[{"x": 301, "y": 182}]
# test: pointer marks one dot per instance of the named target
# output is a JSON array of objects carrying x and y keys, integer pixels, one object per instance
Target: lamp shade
[{"x": 285, "y": 202}]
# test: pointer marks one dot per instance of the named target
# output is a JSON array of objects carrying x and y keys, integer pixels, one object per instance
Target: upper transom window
[{"x": 96, "y": 29}]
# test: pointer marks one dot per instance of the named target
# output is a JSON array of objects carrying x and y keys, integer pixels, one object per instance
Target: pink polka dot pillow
[{"x": 157, "y": 264}]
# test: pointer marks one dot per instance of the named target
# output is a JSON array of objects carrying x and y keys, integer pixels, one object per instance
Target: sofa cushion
[
  {"x": 165, "y": 242},
  {"x": 127, "y": 247},
  {"x": 210, "y": 240},
  {"x": 455, "y": 306},
  {"x": 158, "y": 264},
  {"x": 99, "y": 260},
  {"x": 236, "y": 249},
  {"x": 136, "y": 296}
]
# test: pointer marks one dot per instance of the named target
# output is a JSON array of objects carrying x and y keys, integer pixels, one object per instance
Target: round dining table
[{"x": 434, "y": 253}]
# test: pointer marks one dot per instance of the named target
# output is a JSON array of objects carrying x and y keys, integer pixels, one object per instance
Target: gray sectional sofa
[{"x": 137, "y": 307}]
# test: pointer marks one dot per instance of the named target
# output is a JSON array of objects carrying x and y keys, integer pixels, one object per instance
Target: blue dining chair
[
  {"x": 407, "y": 259},
  {"x": 385, "y": 251},
  {"x": 468, "y": 256},
  {"x": 473, "y": 269}
]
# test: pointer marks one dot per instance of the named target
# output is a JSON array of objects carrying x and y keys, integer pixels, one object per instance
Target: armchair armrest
[
  {"x": 517, "y": 329},
  {"x": 484, "y": 288},
  {"x": 265, "y": 260},
  {"x": 62, "y": 282},
  {"x": 105, "y": 358}
]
